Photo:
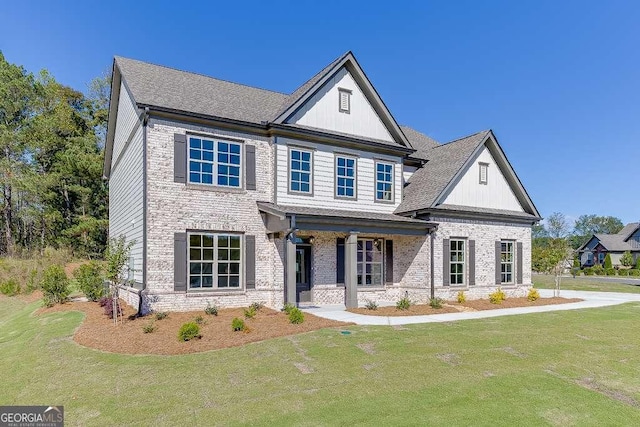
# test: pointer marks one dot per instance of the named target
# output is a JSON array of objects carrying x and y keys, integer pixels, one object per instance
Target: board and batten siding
[
  {"x": 324, "y": 178},
  {"x": 496, "y": 194},
  {"x": 321, "y": 110},
  {"x": 126, "y": 182}
]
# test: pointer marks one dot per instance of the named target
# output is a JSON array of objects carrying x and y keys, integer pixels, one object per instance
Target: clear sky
[{"x": 557, "y": 81}]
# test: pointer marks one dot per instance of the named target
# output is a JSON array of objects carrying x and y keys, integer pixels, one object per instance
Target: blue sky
[{"x": 557, "y": 81}]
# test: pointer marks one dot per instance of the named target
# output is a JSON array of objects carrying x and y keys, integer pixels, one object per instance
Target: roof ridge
[
  {"x": 199, "y": 74},
  {"x": 460, "y": 139}
]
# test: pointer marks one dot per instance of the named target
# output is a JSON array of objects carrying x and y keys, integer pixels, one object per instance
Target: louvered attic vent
[{"x": 344, "y": 100}]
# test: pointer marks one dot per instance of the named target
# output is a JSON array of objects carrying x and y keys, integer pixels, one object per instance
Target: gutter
[{"x": 145, "y": 121}]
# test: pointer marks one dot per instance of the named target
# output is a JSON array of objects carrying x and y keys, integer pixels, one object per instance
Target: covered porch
[{"x": 332, "y": 256}]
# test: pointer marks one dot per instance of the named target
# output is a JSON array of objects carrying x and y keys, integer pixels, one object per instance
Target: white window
[
  {"x": 215, "y": 261},
  {"x": 214, "y": 162},
  {"x": 369, "y": 262},
  {"x": 456, "y": 262},
  {"x": 345, "y": 177},
  {"x": 506, "y": 262},
  {"x": 300, "y": 170},
  {"x": 344, "y": 101},
  {"x": 484, "y": 170},
  {"x": 384, "y": 182}
]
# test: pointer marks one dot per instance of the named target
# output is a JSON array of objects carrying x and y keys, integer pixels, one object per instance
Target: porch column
[
  {"x": 290, "y": 270},
  {"x": 350, "y": 271}
]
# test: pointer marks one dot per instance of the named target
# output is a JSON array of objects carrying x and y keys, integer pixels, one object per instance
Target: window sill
[
  {"x": 371, "y": 288},
  {"x": 215, "y": 188},
  {"x": 217, "y": 292}
]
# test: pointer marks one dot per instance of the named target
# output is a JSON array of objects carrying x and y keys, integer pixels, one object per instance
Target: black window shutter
[
  {"x": 180, "y": 262},
  {"x": 250, "y": 261},
  {"x": 519, "y": 262},
  {"x": 472, "y": 262},
  {"x": 498, "y": 265},
  {"x": 179, "y": 157},
  {"x": 250, "y": 166},
  {"x": 446, "y": 258},
  {"x": 388, "y": 249},
  {"x": 340, "y": 261}
]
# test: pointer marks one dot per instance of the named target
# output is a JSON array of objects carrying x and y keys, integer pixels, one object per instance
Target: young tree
[
  {"x": 626, "y": 259},
  {"x": 607, "y": 262},
  {"x": 552, "y": 259},
  {"x": 557, "y": 226}
]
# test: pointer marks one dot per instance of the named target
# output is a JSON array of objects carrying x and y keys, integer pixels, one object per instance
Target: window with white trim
[
  {"x": 345, "y": 177},
  {"x": 344, "y": 100},
  {"x": 215, "y": 261},
  {"x": 506, "y": 262},
  {"x": 369, "y": 262},
  {"x": 214, "y": 162},
  {"x": 484, "y": 172},
  {"x": 384, "y": 182},
  {"x": 457, "y": 262},
  {"x": 300, "y": 170}
]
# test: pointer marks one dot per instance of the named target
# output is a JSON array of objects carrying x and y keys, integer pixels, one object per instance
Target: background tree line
[{"x": 51, "y": 156}]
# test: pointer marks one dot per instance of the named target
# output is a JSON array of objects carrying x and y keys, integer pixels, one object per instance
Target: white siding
[
  {"x": 407, "y": 171},
  {"x": 324, "y": 179},
  {"x": 126, "y": 120},
  {"x": 634, "y": 240},
  {"x": 496, "y": 194},
  {"x": 126, "y": 182},
  {"x": 321, "y": 110}
]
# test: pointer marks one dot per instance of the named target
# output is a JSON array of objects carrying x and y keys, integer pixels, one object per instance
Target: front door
[{"x": 303, "y": 273}]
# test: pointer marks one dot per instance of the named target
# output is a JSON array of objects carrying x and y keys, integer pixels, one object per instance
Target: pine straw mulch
[
  {"x": 455, "y": 307},
  {"x": 99, "y": 332}
]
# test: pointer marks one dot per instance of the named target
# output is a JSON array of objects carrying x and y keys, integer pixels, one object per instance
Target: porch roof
[{"x": 323, "y": 219}]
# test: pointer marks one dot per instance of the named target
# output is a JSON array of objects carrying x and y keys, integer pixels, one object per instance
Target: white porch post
[{"x": 350, "y": 270}]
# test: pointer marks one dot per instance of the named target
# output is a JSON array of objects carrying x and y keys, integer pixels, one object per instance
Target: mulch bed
[
  {"x": 455, "y": 307},
  {"x": 99, "y": 332}
]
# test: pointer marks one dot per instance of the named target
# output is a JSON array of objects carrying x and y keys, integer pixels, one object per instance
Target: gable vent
[{"x": 344, "y": 100}]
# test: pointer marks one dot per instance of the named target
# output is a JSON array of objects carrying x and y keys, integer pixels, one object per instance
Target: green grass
[
  {"x": 558, "y": 368},
  {"x": 583, "y": 284}
]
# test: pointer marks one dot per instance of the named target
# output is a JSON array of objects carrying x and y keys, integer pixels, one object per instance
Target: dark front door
[{"x": 303, "y": 273}]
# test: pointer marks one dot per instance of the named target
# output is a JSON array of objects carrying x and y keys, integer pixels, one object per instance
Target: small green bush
[
  {"x": 626, "y": 259},
  {"x": 371, "y": 305},
  {"x": 637, "y": 267},
  {"x": 211, "y": 310},
  {"x": 90, "y": 280},
  {"x": 588, "y": 271},
  {"x": 623, "y": 272},
  {"x": 189, "y": 331},
  {"x": 257, "y": 306},
  {"x": 250, "y": 312},
  {"x": 55, "y": 286},
  {"x": 497, "y": 297},
  {"x": 634, "y": 272},
  {"x": 576, "y": 271},
  {"x": 10, "y": 287},
  {"x": 237, "y": 325},
  {"x": 436, "y": 302},
  {"x": 288, "y": 307},
  {"x": 296, "y": 316},
  {"x": 610, "y": 271},
  {"x": 607, "y": 262},
  {"x": 199, "y": 320},
  {"x": 533, "y": 294},
  {"x": 160, "y": 315},
  {"x": 33, "y": 281},
  {"x": 149, "y": 327},
  {"x": 598, "y": 270},
  {"x": 461, "y": 297},
  {"x": 403, "y": 304}
]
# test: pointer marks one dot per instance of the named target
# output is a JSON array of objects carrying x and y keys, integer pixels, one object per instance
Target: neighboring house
[
  {"x": 234, "y": 194},
  {"x": 596, "y": 249}
]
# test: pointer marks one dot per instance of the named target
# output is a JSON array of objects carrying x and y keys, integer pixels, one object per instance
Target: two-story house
[
  {"x": 598, "y": 246},
  {"x": 234, "y": 194}
]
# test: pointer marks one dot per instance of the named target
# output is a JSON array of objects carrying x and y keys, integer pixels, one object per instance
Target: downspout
[{"x": 145, "y": 121}]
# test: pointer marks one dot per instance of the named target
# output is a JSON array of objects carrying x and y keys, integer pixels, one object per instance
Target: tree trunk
[{"x": 7, "y": 214}]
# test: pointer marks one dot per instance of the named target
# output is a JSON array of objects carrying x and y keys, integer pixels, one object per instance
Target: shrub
[
  {"x": 607, "y": 262},
  {"x": 575, "y": 271},
  {"x": 403, "y": 304},
  {"x": 237, "y": 324},
  {"x": 497, "y": 297},
  {"x": 250, "y": 312},
  {"x": 257, "y": 306},
  {"x": 55, "y": 286},
  {"x": 626, "y": 259},
  {"x": 610, "y": 271},
  {"x": 588, "y": 271},
  {"x": 436, "y": 302},
  {"x": 90, "y": 280},
  {"x": 598, "y": 270},
  {"x": 576, "y": 263},
  {"x": 288, "y": 307},
  {"x": 533, "y": 294},
  {"x": 10, "y": 287},
  {"x": 623, "y": 272},
  {"x": 634, "y": 272},
  {"x": 638, "y": 263},
  {"x": 211, "y": 310},
  {"x": 107, "y": 303},
  {"x": 461, "y": 297},
  {"x": 149, "y": 327},
  {"x": 33, "y": 281},
  {"x": 296, "y": 316},
  {"x": 103, "y": 301},
  {"x": 160, "y": 315},
  {"x": 371, "y": 305},
  {"x": 189, "y": 331},
  {"x": 199, "y": 320}
]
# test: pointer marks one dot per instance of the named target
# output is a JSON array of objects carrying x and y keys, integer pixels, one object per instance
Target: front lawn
[
  {"x": 543, "y": 281},
  {"x": 576, "y": 367}
]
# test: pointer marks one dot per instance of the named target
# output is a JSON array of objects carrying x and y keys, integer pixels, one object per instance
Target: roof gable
[
  {"x": 305, "y": 93},
  {"x": 629, "y": 230}
]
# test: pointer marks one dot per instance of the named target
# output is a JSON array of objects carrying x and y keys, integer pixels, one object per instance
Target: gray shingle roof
[
  {"x": 613, "y": 242},
  {"x": 457, "y": 208},
  {"x": 628, "y": 230},
  {"x": 339, "y": 213},
  {"x": 183, "y": 91},
  {"x": 444, "y": 162},
  {"x": 419, "y": 141}
]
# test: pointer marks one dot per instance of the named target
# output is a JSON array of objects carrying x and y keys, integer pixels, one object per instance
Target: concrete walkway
[{"x": 591, "y": 300}]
